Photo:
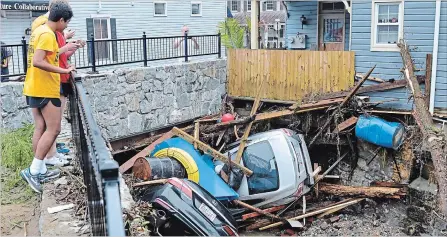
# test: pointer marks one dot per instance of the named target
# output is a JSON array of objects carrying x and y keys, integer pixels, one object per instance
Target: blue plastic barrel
[{"x": 379, "y": 131}]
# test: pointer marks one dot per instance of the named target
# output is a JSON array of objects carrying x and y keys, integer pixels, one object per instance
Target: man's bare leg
[
  {"x": 39, "y": 127},
  {"x": 51, "y": 115},
  {"x": 53, "y": 149}
]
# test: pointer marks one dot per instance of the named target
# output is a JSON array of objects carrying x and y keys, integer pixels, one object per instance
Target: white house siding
[
  {"x": 132, "y": 19},
  {"x": 418, "y": 31},
  {"x": 441, "y": 76}
]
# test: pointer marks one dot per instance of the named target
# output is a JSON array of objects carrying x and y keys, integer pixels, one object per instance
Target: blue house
[{"x": 372, "y": 28}]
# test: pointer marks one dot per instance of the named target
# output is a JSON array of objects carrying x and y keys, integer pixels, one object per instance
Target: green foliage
[
  {"x": 16, "y": 154},
  {"x": 17, "y": 148},
  {"x": 232, "y": 33}
]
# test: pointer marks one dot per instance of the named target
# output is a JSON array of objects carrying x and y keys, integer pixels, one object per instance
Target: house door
[{"x": 332, "y": 32}]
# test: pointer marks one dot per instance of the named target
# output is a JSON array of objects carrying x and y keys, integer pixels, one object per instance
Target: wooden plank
[
  {"x": 313, "y": 213},
  {"x": 247, "y": 130},
  {"x": 145, "y": 152},
  {"x": 151, "y": 182},
  {"x": 428, "y": 68},
  {"x": 277, "y": 114},
  {"x": 256, "y": 214},
  {"x": 370, "y": 78},
  {"x": 209, "y": 150},
  {"x": 346, "y": 124},
  {"x": 262, "y": 212},
  {"x": 357, "y": 87},
  {"x": 196, "y": 133}
]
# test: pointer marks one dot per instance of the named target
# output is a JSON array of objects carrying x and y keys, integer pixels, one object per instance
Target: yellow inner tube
[{"x": 184, "y": 158}]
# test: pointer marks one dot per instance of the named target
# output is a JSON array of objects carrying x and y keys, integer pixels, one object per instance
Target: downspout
[
  {"x": 350, "y": 27},
  {"x": 435, "y": 56}
]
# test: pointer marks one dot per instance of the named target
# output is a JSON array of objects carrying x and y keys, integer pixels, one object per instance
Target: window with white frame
[
  {"x": 234, "y": 6},
  {"x": 387, "y": 25},
  {"x": 101, "y": 29},
  {"x": 160, "y": 9},
  {"x": 269, "y": 5},
  {"x": 196, "y": 9},
  {"x": 248, "y": 5}
]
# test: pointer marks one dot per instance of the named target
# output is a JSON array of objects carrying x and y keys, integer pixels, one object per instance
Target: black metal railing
[
  {"x": 100, "y": 171},
  {"x": 16, "y": 59},
  {"x": 110, "y": 52}
]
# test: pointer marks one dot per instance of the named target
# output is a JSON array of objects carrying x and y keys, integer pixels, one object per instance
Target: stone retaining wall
[{"x": 135, "y": 100}]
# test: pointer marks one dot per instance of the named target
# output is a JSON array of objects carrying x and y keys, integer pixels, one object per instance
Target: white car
[{"x": 282, "y": 170}]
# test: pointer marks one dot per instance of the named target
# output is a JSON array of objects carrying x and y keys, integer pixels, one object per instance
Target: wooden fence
[{"x": 290, "y": 74}]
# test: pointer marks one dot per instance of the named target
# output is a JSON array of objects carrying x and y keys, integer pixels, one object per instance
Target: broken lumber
[
  {"x": 151, "y": 182},
  {"x": 209, "y": 150},
  {"x": 196, "y": 133},
  {"x": 434, "y": 138},
  {"x": 346, "y": 124},
  {"x": 256, "y": 214},
  {"x": 343, "y": 103},
  {"x": 220, "y": 126},
  {"x": 313, "y": 213},
  {"x": 277, "y": 114},
  {"x": 247, "y": 130},
  {"x": 376, "y": 79},
  {"x": 372, "y": 192},
  {"x": 245, "y": 205},
  {"x": 143, "y": 153},
  {"x": 316, "y": 104}
]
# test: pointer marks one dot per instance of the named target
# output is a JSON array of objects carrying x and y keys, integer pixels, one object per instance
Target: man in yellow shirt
[{"x": 42, "y": 91}]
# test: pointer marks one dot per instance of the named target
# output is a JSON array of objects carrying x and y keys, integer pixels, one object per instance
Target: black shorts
[
  {"x": 66, "y": 89},
  {"x": 39, "y": 102}
]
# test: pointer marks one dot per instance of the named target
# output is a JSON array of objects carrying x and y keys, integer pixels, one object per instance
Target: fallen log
[
  {"x": 371, "y": 192},
  {"x": 432, "y": 136}
]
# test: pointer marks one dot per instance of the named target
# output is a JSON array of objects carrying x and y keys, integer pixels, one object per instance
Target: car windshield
[{"x": 260, "y": 159}]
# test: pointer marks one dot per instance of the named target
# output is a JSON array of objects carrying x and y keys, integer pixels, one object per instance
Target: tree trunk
[
  {"x": 433, "y": 137},
  {"x": 345, "y": 191}
]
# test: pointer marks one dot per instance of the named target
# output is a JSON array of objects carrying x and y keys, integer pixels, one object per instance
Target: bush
[{"x": 17, "y": 148}]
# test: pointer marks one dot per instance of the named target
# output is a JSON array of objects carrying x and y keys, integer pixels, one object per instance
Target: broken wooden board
[
  {"x": 346, "y": 124},
  {"x": 379, "y": 192},
  {"x": 277, "y": 114},
  {"x": 370, "y": 78},
  {"x": 316, "y": 104},
  {"x": 209, "y": 150},
  {"x": 256, "y": 214},
  {"x": 143, "y": 153},
  {"x": 151, "y": 182},
  {"x": 313, "y": 213}
]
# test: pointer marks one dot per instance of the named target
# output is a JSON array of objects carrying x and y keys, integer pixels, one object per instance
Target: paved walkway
[{"x": 63, "y": 223}]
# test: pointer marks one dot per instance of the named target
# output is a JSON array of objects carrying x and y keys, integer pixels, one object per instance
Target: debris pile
[{"x": 267, "y": 165}]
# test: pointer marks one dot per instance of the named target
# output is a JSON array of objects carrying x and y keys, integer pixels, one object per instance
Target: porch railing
[
  {"x": 111, "y": 52},
  {"x": 100, "y": 171}
]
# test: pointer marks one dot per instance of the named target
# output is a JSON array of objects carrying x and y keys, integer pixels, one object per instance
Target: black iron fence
[
  {"x": 14, "y": 57},
  {"x": 100, "y": 171},
  {"x": 110, "y": 52}
]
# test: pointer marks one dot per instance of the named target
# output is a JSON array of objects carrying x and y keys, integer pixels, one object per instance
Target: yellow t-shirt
[
  {"x": 41, "y": 20},
  {"x": 38, "y": 82}
]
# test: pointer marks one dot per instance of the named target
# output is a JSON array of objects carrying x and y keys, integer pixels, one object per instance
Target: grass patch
[{"x": 16, "y": 154}]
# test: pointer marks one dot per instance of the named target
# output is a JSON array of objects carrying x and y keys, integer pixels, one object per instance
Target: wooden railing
[{"x": 290, "y": 74}]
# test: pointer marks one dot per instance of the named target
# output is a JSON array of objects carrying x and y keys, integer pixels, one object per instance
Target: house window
[
  {"x": 101, "y": 29},
  {"x": 269, "y": 5},
  {"x": 234, "y": 6},
  {"x": 332, "y": 6},
  {"x": 160, "y": 9},
  {"x": 196, "y": 9},
  {"x": 248, "y": 5},
  {"x": 387, "y": 25},
  {"x": 281, "y": 31}
]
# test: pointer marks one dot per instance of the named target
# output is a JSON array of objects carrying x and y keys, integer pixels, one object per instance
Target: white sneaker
[
  {"x": 63, "y": 157},
  {"x": 56, "y": 161}
]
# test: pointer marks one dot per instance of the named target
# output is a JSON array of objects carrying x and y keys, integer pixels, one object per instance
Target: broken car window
[{"x": 260, "y": 159}]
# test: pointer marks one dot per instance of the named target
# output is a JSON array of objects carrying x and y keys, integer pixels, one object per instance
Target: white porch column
[{"x": 254, "y": 34}]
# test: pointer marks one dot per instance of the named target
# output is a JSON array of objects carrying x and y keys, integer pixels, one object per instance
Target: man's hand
[
  {"x": 69, "y": 34},
  {"x": 81, "y": 43},
  {"x": 70, "y": 69},
  {"x": 72, "y": 46}
]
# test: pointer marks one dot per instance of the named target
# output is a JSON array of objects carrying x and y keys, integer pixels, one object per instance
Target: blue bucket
[{"x": 379, "y": 131}]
